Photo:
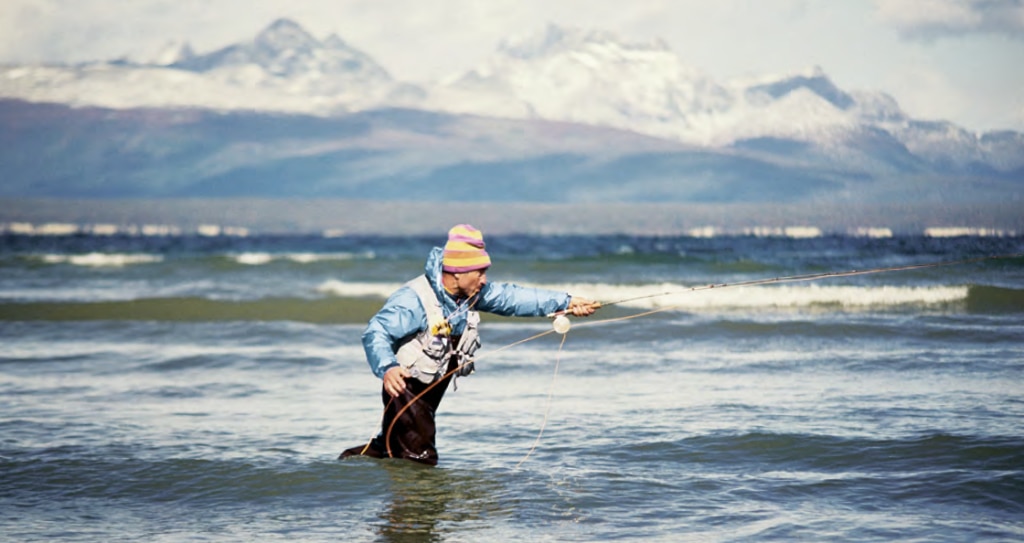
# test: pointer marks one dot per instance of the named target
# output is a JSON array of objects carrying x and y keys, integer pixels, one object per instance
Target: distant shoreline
[{"x": 365, "y": 217}]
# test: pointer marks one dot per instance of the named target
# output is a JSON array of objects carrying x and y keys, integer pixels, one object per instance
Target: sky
[{"x": 956, "y": 60}]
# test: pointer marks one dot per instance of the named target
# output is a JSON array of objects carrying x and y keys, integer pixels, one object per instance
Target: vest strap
[{"x": 426, "y": 355}]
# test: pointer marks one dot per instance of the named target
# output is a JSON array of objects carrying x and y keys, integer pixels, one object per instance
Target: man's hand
[
  {"x": 394, "y": 380},
  {"x": 582, "y": 307}
]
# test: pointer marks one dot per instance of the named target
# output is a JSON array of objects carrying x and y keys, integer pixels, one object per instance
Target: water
[{"x": 186, "y": 388}]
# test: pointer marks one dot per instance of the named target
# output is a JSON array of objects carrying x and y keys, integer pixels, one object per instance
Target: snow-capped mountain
[
  {"x": 282, "y": 69},
  {"x": 173, "y": 52},
  {"x": 596, "y": 78},
  {"x": 590, "y": 84},
  {"x": 592, "y": 78},
  {"x": 286, "y": 51}
]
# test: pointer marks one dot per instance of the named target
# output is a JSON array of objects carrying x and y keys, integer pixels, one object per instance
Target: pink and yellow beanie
[{"x": 465, "y": 250}]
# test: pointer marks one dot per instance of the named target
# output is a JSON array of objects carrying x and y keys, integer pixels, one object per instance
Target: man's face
[{"x": 470, "y": 283}]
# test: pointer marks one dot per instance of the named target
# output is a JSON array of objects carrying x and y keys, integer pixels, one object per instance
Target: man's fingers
[
  {"x": 584, "y": 308},
  {"x": 394, "y": 381}
]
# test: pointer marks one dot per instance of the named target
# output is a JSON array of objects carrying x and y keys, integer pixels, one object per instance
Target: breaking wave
[
  {"x": 100, "y": 260},
  {"x": 688, "y": 298},
  {"x": 352, "y": 303},
  {"x": 260, "y": 258}
]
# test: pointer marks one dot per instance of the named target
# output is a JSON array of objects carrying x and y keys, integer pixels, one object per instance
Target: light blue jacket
[{"x": 403, "y": 316}]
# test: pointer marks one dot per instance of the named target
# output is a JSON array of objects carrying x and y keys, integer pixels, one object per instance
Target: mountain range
[{"x": 565, "y": 115}]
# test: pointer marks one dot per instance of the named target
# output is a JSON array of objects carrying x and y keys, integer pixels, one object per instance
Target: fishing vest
[{"x": 426, "y": 355}]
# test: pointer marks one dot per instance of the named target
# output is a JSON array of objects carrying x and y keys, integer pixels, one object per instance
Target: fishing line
[
  {"x": 547, "y": 406},
  {"x": 775, "y": 280},
  {"x": 443, "y": 379},
  {"x": 379, "y": 425},
  {"x": 810, "y": 277},
  {"x": 463, "y": 307},
  {"x": 754, "y": 282}
]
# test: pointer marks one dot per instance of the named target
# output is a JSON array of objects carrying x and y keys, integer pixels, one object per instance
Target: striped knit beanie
[{"x": 465, "y": 250}]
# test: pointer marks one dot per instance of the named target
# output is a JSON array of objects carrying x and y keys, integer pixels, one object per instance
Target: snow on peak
[
  {"x": 283, "y": 68},
  {"x": 586, "y": 76},
  {"x": 597, "y": 78},
  {"x": 285, "y": 38},
  {"x": 334, "y": 41},
  {"x": 560, "y": 74},
  {"x": 172, "y": 53},
  {"x": 285, "y": 50},
  {"x": 555, "y": 39}
]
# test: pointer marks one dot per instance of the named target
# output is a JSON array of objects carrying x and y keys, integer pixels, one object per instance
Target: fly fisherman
[{"x": 426, "y": 332}]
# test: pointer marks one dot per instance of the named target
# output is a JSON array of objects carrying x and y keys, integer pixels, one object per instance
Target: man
[{"x": 426, "y": 333}]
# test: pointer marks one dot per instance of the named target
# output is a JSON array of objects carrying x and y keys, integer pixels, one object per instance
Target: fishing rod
[
  {"x": 561, "y": 323},
  {"x": 797, "y": 278}
]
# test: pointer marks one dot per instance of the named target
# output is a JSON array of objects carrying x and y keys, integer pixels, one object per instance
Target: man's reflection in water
[{"x": 428, "y": 502}]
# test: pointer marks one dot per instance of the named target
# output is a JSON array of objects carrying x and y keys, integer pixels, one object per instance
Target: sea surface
[{"x": 180, "y": 387}]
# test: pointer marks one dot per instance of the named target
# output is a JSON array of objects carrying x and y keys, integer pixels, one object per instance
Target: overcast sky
[{"x": 960, "y": 60}]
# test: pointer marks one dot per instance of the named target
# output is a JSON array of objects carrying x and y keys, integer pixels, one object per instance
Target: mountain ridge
[{"x": 687, "y": 137}]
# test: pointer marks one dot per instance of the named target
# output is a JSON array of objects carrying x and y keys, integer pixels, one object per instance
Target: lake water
[{"x": 200, "y": 388}]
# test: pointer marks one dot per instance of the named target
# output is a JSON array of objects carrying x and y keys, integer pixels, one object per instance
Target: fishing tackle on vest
[
  {"x": 426, "y": 355},
  {"x": 468, "y": 345}
]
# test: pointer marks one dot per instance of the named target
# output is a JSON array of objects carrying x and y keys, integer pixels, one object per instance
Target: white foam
[
  {"x": 56, "y": 229},
  {"x": 208, "y": 230},
  {"x": 46, "y": 229},
  {"x": 960, "y": 231},
  {"x": 871, "y": 232},
  {"x": 146, "y": 230},
  {"x": 102, "y": 229},
  {"x": 253, "y": 259},
  {"x": 261, "y": 258},
  {"x": 698, "y": 298},
  {"x": 21, "y": 228},
  {"x": 795, "y": 232},
  {"x": 98, "y": 260},
  {"x": 155, "y": 230},
  {"x": 357, "y": 289},
  {"x": 706, "y": 232},
  {"x": 216, "y": 230}
]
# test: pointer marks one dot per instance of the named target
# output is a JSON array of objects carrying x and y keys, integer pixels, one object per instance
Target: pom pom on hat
[{"x": 465, "y": 250}]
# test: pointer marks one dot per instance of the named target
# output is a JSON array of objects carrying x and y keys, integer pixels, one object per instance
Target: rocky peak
[
  {"x": 814, "y": 80},
  {"x": 556, "y": 39},
  {"x": 285, "y": 35}
]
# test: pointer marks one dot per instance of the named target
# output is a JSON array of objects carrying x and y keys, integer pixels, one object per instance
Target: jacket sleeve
[
  {"x": 513, "y": 300},
  {"x": 400, "y": 317}
]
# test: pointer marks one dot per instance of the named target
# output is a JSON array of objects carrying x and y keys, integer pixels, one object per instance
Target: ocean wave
[
  {"x": 781, "y": 297},
  {"x": 795, "y": 231},
  {"x": 100, "y": 260},
  {"x": 800, "y": 459},
  {"x": 667, "y": 295},
  {"x": 254, "y": 258},
  {"x": 357, "y": 302},
  {"x": 357, "y": 289},
  {"x": 690, "y": 298},
  {"x": 261, "y": 258},
  {"x": 708, "y": 297},
  {"x": 193, "y": 309}
]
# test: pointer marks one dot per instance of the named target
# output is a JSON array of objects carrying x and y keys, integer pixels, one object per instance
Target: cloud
[
  {"x": 926, "y": 93},
  {"x": 933, "y": 19}
]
